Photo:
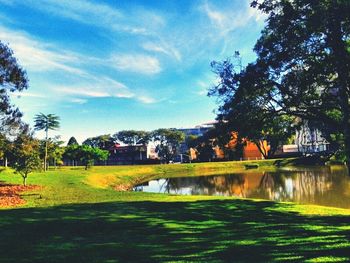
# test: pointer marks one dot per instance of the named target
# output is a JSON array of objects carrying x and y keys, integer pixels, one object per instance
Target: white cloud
[
  {"x": 146, "y": 99},
  {"x": 228, "y": 19},
  {"x": 95, "y": 13},
  {"x": 97, "y": 88},
  {"x": 137, "y": 63},
  {"x": 28, "y": 94},
  {"x": 162, "y": 48},
  {"x": 215, "y": 16},
  {"x": 35, "y": 56},
  {"x": 80, "y": 10},
  {"x": 82, "y": 91},
  {"x": 78, "y": 101}
]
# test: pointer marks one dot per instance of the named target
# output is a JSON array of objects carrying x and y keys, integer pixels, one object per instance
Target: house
[
  {"x": 132, "y": 154},
  {"x": 249, "y": 149},
  {"x": 310, "y": 140}
]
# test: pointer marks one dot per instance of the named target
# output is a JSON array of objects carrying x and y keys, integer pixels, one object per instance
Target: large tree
[
  {"x": 46, "y": 123},
  {"x": 168, "y": 142},
  {"x": 132, "y": 137},
  {"x": 104, "y": 142},
  {"x": 72, "y": 141},
  {"x": 302, "y": 69},
  {"x": 12, "y": 78}
]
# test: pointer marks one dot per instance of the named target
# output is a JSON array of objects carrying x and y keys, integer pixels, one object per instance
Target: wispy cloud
[
  {"x": 28, "y": 95},
  {"x": 228, "y": 19},
  {"x": 146, "y": 99},
  {"x": 95, "y": 13},
  {"x": 137, "y": 63},
  {"x": 78, "y": 101},
  {"x": 162, "y": 48},
  {"x": 35, "y": 56},
  {"x": 80, "y": 10},
  {"x": 96, "y": 88},
  {"x": 101, "y": 88}
]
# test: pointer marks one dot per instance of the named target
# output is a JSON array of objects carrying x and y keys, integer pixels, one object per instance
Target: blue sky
[{"x": 106, "y": 66}]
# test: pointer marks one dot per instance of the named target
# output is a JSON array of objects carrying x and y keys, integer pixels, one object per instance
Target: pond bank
[{"x": 123, "y": 178}]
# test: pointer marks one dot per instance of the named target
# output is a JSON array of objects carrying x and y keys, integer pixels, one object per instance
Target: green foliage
[
  {"x": 54, "y": 150},
  {"x": 168, "y": 141},
  {"x": 104, "y": 142},
  {"x": 301, "y": 73},
  {"x": 72, "y": 140},
  {"x": 85, "y": 154},
  {"x": 25, "y": 155},
  {"x": 12, "y": 78},
  {"x": 191, "y": 141},
  {"x": 46, "y": 122},
  {"x": 132, "y": 137}
]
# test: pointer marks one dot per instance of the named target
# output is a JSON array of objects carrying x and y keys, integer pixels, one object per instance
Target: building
[
  {"x": 249, "y": 149},
  {"x": 132, "y": 154},
  {"x": 310, "y": 140}
]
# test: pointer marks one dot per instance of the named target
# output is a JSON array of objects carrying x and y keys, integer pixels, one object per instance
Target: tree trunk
[
  {"x": 45, "y": 157},
  {"x": 260, "y": 145},
  {"x": 5, "y": 162},
  {"x": 341, "y": 57},
  {"x": 24, "y": 180}
]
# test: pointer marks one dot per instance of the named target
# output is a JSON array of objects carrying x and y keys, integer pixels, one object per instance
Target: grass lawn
[{"x": 78, "y": 217}]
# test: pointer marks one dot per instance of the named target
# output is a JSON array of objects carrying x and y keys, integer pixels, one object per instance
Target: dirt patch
[
  {"x": 10, "y": 194},
  {"x": 122, "y": 188}
]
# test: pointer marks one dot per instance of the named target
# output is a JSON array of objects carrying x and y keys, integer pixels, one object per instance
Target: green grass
[{"x": 72, "y": 220}]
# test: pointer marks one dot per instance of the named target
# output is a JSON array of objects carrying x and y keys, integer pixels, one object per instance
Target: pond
[{"x": 327, "y": 186}]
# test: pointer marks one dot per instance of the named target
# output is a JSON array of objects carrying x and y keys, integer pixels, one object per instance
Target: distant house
[
  {"x": 310, "y": 140},
  {"x": 198, "y": 130},
  {"x": 132, "y": 154},
  {"x": 249, "y": 150}
]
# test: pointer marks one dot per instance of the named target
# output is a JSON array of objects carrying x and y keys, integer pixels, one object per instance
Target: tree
[
  {"x": 46, "y": 123},
  {"x": 54, "y": 150},
  {"x": 72, "y": 141},
  {"x": 4, "y": 144},
  {"x": 302, "y": 69},
  {"x": 168, "y": 141},
  {"x": 71, "y": 153},
  {"x": 88, "y": 155},
  {"x": 132, "y": 137},
  {"x": 104, "y": 142},
  {"x": 247, "y": 110},
  {"x": 25, "y": 155},
  {"x": 12, "y": 78}
]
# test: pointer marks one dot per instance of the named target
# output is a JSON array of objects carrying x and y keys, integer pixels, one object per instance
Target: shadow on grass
[{"x": 201, "y": 231}]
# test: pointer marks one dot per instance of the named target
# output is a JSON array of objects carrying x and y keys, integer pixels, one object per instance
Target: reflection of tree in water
[
  {"x": 315, "y": 186},
  {"x": 307, "y": 185},
  {"x": 227, "y": 185}
]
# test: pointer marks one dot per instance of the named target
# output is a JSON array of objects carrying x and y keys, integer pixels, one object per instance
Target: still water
[{"x": 327, "y": 186}]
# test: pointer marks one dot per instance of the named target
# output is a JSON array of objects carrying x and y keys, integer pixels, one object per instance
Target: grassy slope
[{"x": 74, "y": 222}]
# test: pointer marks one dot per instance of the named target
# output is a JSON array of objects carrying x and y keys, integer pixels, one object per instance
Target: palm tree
[{"x": 46, "y": 123}]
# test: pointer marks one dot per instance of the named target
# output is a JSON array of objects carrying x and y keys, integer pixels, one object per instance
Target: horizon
[{"x": 103, "y": 66}]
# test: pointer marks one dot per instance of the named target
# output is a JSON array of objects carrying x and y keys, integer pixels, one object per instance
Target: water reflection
[{"x": 329, "y": 186}]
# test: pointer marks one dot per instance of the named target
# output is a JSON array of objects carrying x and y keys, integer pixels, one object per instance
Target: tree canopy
[
  {"x": 302, "y": 72},
  {"x": 104, "y": 142},
  {"x": 167, "y": 141},
  {"x": 12, "y": 78},
  {"x": 25, "y": 153},
  {"x": 72, "y": 141},
  {"x": 132, "y": 137}
]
